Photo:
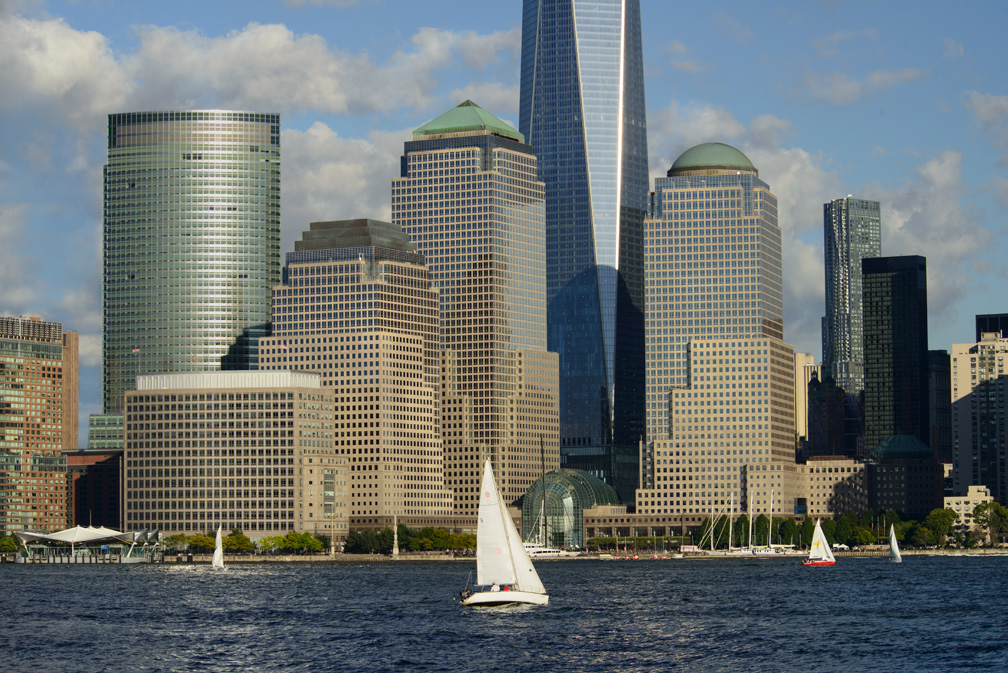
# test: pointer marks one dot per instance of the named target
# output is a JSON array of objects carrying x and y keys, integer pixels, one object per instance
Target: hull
[
  {"x": 818, "y": 563},
  {"x": 488, "y": 599}
]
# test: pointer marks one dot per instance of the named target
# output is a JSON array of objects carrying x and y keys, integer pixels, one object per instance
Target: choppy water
[{"x": 926, "y": 614}]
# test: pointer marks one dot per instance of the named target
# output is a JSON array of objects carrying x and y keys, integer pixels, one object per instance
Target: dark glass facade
[
  {"x": 896, "y": 352},
  {"x": 191, "y": 242},
  {"x": 582, "y": 110}
]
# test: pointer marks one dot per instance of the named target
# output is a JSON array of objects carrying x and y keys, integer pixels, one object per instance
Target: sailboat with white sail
[
  {"x": 218, "y": 556},
  {"x": 894, "y": 552},
  {"x": 820, "y": 553},
  {"x": 504, "y": 572}
]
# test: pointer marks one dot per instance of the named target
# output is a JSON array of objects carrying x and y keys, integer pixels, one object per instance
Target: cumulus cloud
[
  {"x": 802, "y": 181},
  {"x": 495, "y": 97},
  {"x": 887, "y": 79},
  {"x": 992, "y": 113},
  {"x": 19, "y": 292},
  {"x": 928, "y": 215},
  {"x": 329, "y": 177}
]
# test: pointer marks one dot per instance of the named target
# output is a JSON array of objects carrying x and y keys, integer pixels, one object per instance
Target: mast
[
  {"x": 712, "y": 525},
  {"x": 769, "y": 535},
  {"x": 749, "y": 538},
  {"x": 542, "y": 510},
  {"x": 731, "y": 517}
]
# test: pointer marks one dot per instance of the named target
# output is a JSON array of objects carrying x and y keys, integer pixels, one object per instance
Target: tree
[
  {"x": 921, "y": 536},
  {"x": 761, "y": 529},
  {"x": 178, "y": 542},
  {"x": 807, "y": 530},
  {"x": 940, "y": 522},
  {"x": 8, "y": 544},
  {"x": 992, "y": 518},
  {"x": 270, "y": 545},
  {"x": 237, "y": 543},
  {"x": 787, "y": 532},
  {"x": 741, "y": 531},
  {"x": 202, "y": 544}
]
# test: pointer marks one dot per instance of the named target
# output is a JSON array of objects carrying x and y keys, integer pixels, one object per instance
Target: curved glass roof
[
  {"x": 900, "y": 447},
  {"x": 713, "y": 156}
]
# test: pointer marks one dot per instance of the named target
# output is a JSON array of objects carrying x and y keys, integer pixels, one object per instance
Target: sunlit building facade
[
  {"x": 191, "y": 242},
  {"x": 39, "y": 365},
  {"x": 357, "y": 307},
  {"x": 852, "y": 231},
  {"x": 582, "y": 111},
  {"x": 470, "y": 200}
]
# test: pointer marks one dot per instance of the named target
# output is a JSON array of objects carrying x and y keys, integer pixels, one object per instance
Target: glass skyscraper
[
  {"x": 191, "y": 242},
  {"x": 852, "y": 231},
  {"x": 582, "y": 110},
  {"x": 470, "y": 200}
]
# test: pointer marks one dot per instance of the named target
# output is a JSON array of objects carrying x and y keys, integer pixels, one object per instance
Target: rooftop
[
  {"x": 711, "y": 156},
  {"x": 464, "y": 117}
]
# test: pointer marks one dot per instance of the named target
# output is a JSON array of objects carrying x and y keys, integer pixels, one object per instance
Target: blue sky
[{"x": 903, "y": 102}]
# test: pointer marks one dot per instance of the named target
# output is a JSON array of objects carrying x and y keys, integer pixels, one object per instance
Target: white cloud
[
  {"x": 675, "y": 47},
  {"x": 738, "y": 32},
  {"x": 90, "y": 349},
  {"x": 999, "y": 187},
  {"x": 494, "y": 97},
  {"x": 827, "y": 46},
  {"x": 328, "y": 177},
  {"x": 992, "y": 112},
  {"x": 887, "y": 79},
  {"x": 928, "y": 215},
  {"x": 19, "y": 292},
  {"x": 953, "y": 48}
]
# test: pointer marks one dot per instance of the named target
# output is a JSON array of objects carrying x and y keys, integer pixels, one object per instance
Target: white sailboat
[
  {"x": 504, "y": 572},
  {"x": 218, "y": 556},
  {"x": 820, "y": 553},
  {"x": 894, "y": 554}
]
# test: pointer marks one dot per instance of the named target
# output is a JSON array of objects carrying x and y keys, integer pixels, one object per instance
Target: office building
[
  {"x": 470, "y": 200},
  {"x": 834, "y": 486},
  {"x": 940, "y": 404},
  {"x": 896, "y": 349},
  {"x": 357, "y": 307},
  {"x": 992, "y": 322},
  {"x": 39, "y": 365},
  {"x": 902, "y": 474},
  {"x": 191, "y": 242},
  {"x": 720, "y": 380},
  {"x": 252, "y": 451},
  {"x": 805, "y": 369},
  {"x": 582, "y": 111},
  {"x": 95, "y": 483},
  {"x": 852, "y": 231},
  {"x": 979, "y": 428}
]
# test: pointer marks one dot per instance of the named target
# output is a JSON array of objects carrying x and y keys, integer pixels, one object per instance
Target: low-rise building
[
  {"x": 965, "y": 505},
  {"x": 242, "y": 449}
]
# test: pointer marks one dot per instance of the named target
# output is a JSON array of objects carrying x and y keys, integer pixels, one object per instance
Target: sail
[
  {"x": 820, "y": 550},
  {"x": 500, "y": 555},
  {"x": 218, "y": 555},
  {"x": 894, "y": 552}
]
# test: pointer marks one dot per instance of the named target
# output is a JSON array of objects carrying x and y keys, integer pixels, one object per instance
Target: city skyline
[{"x": 901, "y": 108}]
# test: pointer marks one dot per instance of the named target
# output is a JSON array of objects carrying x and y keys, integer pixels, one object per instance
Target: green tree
[
  {"x": 271, "y": 544},
  {"x": 741, "y": 531},
  {"x": 807, "y": 530},
  {"x": 787, "y": 532},
  {"x": 9, "y": 544},
  {"x": 940, "y": 522},
  {"x": 761, "y": 529},
  {"x": 921, "y": 536},
  {"x": 177, "y": 543},
  {"x": 861, "y": 536},
  {"x": 992, "y": 519},
  {"x": 202, "y": 544},
  {"x": 237, "y": 543},
  {"x": 829, "y": 529}
]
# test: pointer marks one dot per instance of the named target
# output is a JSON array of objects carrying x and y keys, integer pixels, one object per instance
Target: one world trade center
[{"x": 582, "y": 110}]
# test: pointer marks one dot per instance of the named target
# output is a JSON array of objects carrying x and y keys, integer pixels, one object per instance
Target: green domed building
[{"x": 568, "y": 493}]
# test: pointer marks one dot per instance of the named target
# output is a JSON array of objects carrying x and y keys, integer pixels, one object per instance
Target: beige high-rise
[
  {"x": 357, "y": 307},
  {"x": 470, "y": 200},
  {"x": 39, "y": 365}
]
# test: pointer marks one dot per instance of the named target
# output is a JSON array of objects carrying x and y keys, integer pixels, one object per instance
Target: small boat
[
  {"x": 820, "y": 553},
  {"x": 504, "y": 572},
  {"x": 218, "y": 556},
  {"x": 894, "y": 554}
]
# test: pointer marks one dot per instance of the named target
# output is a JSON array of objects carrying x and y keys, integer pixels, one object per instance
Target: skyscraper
[
  {"x": 582, "y": 110},
  {"x": 896, "y": 349},
  {"x": 357, "y": 306},
  {"x": 852, "y": 231},
  {"x": 470, "y": 200},
  {"x": 191, "y": 242},
  {"x": 720, "y": 379},
  {"x": 39, "y": 365}
]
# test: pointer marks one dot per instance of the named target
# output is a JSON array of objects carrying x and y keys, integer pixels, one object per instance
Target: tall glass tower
[
  {"x": 191, "y": 242},
  {"x": 582, "y": 110},
  {"x": 852, "y": 231}
]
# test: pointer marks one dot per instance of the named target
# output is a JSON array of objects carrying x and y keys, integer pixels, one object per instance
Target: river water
[{"x": 930, "y": 613}]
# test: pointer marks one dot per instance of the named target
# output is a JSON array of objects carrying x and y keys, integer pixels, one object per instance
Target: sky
[{"x": 901, "y": 102}]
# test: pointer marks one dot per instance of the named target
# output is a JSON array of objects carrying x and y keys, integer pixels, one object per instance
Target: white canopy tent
[{"x": 78, "y": 535}]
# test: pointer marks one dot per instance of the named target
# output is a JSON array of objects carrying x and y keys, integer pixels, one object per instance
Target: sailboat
[
  {"x": 820, "y": 553},
  {"x": 894, "y": 554},
  {"x": 504, "y": 572},
  {"x": 218, "y": 556}
]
